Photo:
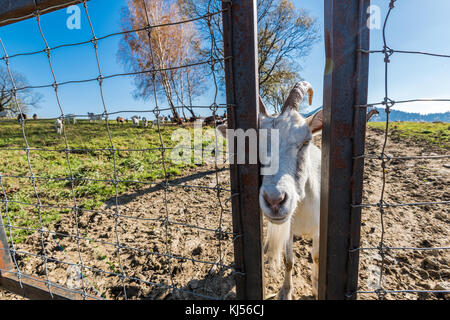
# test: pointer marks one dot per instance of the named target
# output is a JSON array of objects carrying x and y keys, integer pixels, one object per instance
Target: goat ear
[
  {"x": 315, "y": 122},
  {"x": 222, "y": 129},
  {"x": 297, "y": 94}
]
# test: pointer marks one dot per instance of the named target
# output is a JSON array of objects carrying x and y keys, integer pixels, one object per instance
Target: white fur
[
  {"x": 161, "y": 121},
  {"x": 299, "y": 178},
  {"x": 94, "y": 117},
  {"x": 59, "y": 126},
  {"x": 70, "y": 118},
  {"x": 135, "y": 121},
  {"x": 290, "y": 198}
]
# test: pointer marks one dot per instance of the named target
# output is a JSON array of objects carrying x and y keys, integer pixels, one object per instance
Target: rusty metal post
[
  {"x": 343, "y": 136},
  {"x": 12, "y": 11},
  {"x": 241, "y": 71},
  {"x": 6, "y": 263}
]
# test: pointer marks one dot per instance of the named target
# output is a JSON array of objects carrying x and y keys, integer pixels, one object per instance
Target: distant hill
[{"x": 396, "y": 115}]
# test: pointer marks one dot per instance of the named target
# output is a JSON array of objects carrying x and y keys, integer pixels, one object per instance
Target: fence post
[
  {"x": 241, "y": 71},
  {"x": 18, "y": 10},
  {"x": 6, "y": 263},
  {"x": 343, "y": 136}
]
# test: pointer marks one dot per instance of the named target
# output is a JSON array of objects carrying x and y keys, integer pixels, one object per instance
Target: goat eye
[{"x": 304, "y": 144}]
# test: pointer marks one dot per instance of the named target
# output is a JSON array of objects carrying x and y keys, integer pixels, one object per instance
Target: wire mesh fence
[
  {"x": 387, "y": 249},
  {"x": 173, "y": 239}
]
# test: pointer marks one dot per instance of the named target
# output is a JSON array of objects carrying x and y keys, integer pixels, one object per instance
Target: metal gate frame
[
  {"x": 343, "y": 139},
  {"x": 345, "y": 87},
  {"x": 241, "y": 71},
  {"x": 240, "y": 39}
]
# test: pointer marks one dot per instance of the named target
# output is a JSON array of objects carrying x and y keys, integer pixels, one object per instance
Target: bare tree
[
  {"x": 285, "y": 35},
  {"x": 26, "y": 98}
]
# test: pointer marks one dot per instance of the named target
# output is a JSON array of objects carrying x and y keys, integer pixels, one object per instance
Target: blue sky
[{"x": 414, "y": 25}]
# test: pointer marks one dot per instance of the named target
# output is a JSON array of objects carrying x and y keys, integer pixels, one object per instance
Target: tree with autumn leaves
[
  {"x": 157, "y": 54},
  {"x": 285, "y": 35}
]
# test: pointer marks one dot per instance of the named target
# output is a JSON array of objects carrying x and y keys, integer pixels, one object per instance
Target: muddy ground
[{"x": 190, "y": 258}]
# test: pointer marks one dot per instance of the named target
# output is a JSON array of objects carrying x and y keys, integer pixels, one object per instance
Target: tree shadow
[
  {"x": 213, "y": 286},
  {"x": 127, "y": 198}
]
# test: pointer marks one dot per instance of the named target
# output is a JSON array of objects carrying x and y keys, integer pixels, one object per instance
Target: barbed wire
[
  {"x": 385, "y": 158},
  {"x": 114, "y": 212}
]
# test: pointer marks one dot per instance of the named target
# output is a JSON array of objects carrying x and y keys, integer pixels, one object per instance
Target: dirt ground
[{"x": 191, "y": 255}]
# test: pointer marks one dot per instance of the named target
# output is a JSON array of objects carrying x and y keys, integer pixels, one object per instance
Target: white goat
[
  {"x": 94, "y": 117},
  {"x": 135, "y": 120},
  {"x": 71, "y": 118},
  {"x": 155, "y": 122},
  {"x": 290, "y": 198},
  {"x": 59, "y": 126}
]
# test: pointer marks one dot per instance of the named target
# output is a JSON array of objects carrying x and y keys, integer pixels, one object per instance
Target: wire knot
[
  {"x": 388, "y": 52},
  {"x": 392, "y": 4},
  {"x": 381, "y": 293},
  {"x": 100, "y": 79}
]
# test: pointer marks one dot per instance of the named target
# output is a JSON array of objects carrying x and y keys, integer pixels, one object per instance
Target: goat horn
[
  {"x": 297, "y": 94},
  {"x": 262, "y": 107}
]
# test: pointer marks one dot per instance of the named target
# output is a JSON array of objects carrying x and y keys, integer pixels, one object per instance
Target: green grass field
[
  {"x": 433, "y": 134},
  {"x": 51, "y": 168}
]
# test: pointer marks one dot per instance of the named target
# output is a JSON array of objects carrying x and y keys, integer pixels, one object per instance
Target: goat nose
[{"x": 275, "y": 201}]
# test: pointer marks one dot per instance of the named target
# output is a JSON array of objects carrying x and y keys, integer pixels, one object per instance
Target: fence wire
[
  {"x": 381, "y": 291},
  {"x": 88, "y": 289}
]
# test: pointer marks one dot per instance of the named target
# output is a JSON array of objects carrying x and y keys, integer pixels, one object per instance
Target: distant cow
[
  {"x": 70, "y": 118},
  {"x": 120, "y": 120},
  {"x": 144, "y": 122},
  {"x": 94, "y": 117},
  {"x": 35, "y": 116},
  {"x": 135, "y": 120},
  {"x": 59, "y": 126},
  {"x": 176, "y": 120},
  {"x": 209, "y": 120},
  {"x": 21, "y": 117}
]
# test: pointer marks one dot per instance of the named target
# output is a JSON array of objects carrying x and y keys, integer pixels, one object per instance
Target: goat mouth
[{"x": 277, "y": 220}]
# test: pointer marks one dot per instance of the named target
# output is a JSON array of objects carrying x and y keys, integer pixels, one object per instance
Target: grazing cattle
[
  {"x": 144, "y": 122},
  {"x": 120, "y": 120},
  {"x": 209, "y": 120},
  {"x": 135, "y": 120},
  {"x": 35, "y": 117},
  {"x": 94, "y": 117},
  {"x": 176, "y": 120},
  {"x": 161, "y": 120},
  {"x": 21, "y": 117},
  {"x": 59, "y": 126},
  {"x": 70, "y": 118}
]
